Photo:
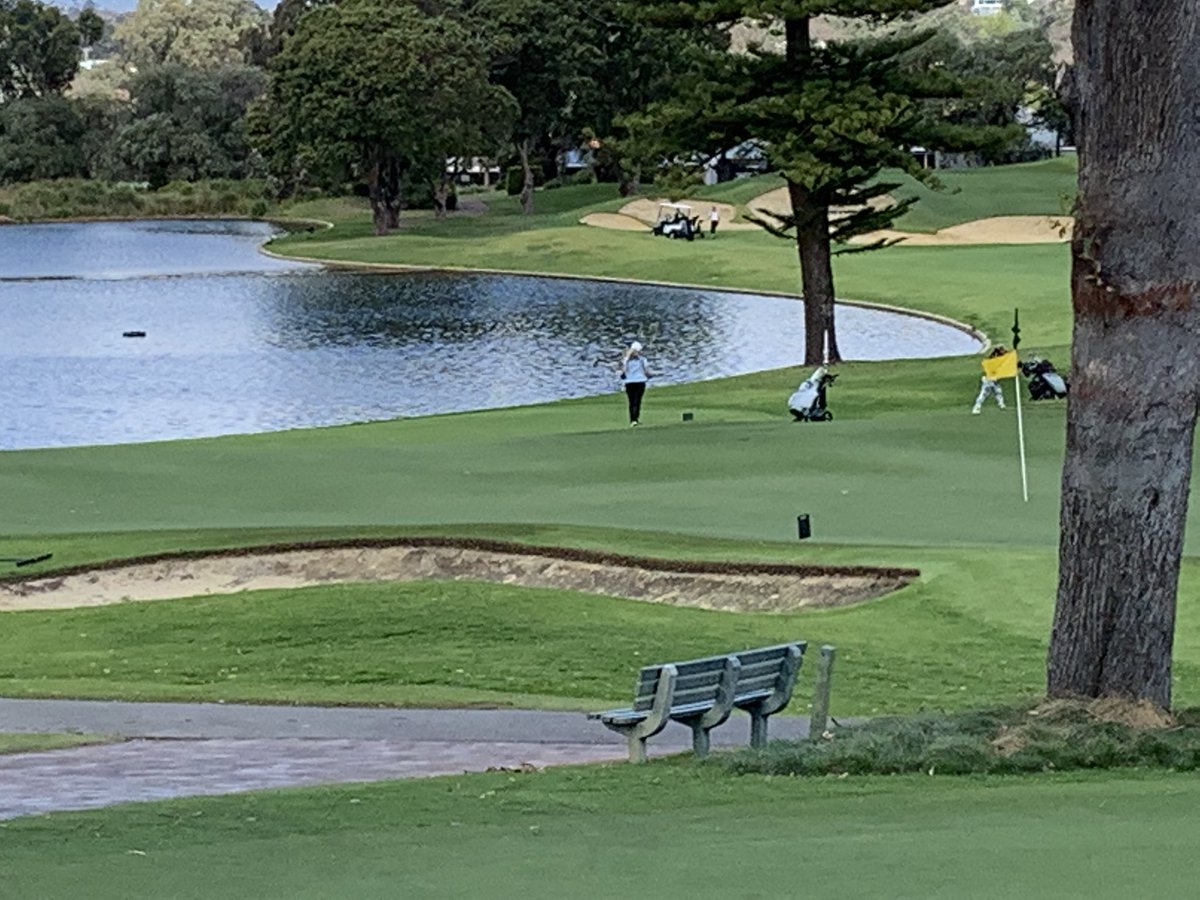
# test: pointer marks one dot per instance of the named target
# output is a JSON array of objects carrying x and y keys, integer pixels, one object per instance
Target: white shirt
[{"x": 635, "y": 370}]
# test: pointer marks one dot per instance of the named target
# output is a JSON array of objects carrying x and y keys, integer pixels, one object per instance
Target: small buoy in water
[{"x": 133, "y": 334}]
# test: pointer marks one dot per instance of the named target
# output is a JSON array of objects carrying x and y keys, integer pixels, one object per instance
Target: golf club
[{"x": 25, "y": 560}]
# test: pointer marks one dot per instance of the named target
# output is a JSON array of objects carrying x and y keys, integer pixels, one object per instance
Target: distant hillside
[
  {"x": 1052, "y": 16},
  {"x": 124, "y": 6}
]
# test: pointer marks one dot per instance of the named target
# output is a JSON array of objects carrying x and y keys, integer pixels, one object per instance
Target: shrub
[
  {"x": 74, "y": 198},
  {"x": 1059, "y": 736}
]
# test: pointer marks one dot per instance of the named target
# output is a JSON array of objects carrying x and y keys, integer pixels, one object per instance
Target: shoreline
[
  {"x": 293, "y": 224},
  {"x": 984, "y": 340}
]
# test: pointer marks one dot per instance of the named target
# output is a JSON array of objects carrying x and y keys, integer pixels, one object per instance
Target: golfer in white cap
[{"x": 635, "y": 374}]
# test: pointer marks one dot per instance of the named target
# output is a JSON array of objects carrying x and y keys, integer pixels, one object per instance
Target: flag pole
[
  {"x": 1016, "y": 330},
  {"x": 1021, "y": 439}
]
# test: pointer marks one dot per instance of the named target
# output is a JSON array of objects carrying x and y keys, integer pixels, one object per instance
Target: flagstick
[{"x": 1021, "y": 438}]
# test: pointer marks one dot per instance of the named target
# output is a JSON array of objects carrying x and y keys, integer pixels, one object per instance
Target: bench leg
[
  {"x": 700, "y": 741},
  {"x": 758, "y": 730},
  {"x": 637, "y": 749}
]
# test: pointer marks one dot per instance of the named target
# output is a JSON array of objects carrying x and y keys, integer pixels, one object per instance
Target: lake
[{"x": 238, "y": 342}]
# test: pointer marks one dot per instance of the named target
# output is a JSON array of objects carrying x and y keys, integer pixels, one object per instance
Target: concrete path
[{"x": 190, "y": 749}]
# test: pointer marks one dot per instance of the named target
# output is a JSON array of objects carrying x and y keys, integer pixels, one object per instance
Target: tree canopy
[
  {"x": 196, "y": 33},
  {"x": 186, "y": 124},
  {"x": 371, "y": 89},
  {"x": 40, "y": 138},
  {"x": 40, "y": 47},
  {"x": 831, "y": 116}
]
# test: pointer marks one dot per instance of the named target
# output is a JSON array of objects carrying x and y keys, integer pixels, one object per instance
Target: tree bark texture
[
  {"x": 812, "y": 229},
  {"x": 441, "y": 195},
  {"x": 1135, "y": 284},
  {"x": 377, "y": 192},
  {"x": 816, "y": 277},
  {"x": 395, "y": 190},
  {"x": 525, "y": 148},
  {"x": 385, "y": 187}
]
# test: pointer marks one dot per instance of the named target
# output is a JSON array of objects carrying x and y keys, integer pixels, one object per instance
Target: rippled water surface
[{"x": 238, "y": 342}]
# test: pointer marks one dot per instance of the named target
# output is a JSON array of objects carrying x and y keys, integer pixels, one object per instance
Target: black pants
[{"x": 635, "y": 390}]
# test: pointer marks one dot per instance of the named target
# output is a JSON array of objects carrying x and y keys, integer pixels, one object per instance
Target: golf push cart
[
  {"x": 807, "y": 403},
  {"x": 675, "y": 220}
]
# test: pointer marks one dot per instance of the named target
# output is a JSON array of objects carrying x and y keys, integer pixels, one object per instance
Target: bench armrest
[{"x": 638, "y": 723}]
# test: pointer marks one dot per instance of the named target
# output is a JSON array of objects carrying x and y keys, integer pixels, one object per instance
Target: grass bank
[{"x": 612, "y": 831}]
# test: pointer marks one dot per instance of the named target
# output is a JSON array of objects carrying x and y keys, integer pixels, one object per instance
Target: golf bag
[
  {"x": 807, "y": 404},
  {"x": 1044, "y": 382}
]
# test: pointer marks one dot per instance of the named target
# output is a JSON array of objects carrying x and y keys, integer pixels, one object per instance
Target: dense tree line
[{"x": 343, "y": 95}]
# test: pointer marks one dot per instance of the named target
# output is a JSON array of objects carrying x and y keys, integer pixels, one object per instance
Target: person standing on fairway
[
  {"x": 635, "y": 375},
  {"x": 990, "y": 386},
  {"x": 714, "y": 219}
]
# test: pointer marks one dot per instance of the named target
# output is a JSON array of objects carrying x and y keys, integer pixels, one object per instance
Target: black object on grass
[{"x": 25, "y": 560}]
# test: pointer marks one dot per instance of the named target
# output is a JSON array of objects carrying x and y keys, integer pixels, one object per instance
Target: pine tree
[{"x": 830, "y": 116}]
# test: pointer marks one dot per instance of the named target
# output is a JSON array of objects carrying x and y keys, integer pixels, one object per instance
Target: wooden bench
[{"x": 701, "y": 693}]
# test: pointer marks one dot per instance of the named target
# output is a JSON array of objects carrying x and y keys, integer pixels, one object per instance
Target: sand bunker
[
  {"x": 720, "y": 586},
  {"x": 615, "y": 221},
  {"x": 641, "y": 213},
  {"x": 996, "y": 230}
]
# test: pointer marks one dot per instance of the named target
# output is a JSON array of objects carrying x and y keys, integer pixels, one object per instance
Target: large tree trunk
[
  {"x": 385, "y": 188},
  {"x": 378, "y": 194},
  {"x": 1136, "y": 353},
  {"x": 812, "y": 228},
  {"x": 394, "y": 192},
  {"x": 524, "y": 148},
  {"x": 816, "y": 277},
  {"x": 441, "y": 195}
]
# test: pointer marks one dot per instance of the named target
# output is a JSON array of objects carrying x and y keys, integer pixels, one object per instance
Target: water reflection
[{"x": 279, "y": 345}]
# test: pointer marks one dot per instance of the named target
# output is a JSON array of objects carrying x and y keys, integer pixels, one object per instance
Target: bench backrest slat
[
  {"x": 771, "y": 677},
  {"x": 698, "y": 681},
  {"x": 761, "y": 668}
]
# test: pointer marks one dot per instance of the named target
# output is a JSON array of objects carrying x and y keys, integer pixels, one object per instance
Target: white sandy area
[
  {"x": 641, "y": 213},
  {"x": 615, "y": 221},
  {"x": 229, "y": 574},
  {"x": 996, "y": 230}
]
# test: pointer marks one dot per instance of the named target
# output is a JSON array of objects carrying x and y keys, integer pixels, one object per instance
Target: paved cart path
[{"x": 189, "y": 749}]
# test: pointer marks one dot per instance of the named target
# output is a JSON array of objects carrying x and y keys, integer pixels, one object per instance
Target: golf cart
[{"x": 675, "y": 220}]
